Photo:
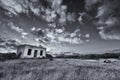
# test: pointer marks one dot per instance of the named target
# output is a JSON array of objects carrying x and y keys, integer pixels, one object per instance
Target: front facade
[{"x": 28, "y": 51}]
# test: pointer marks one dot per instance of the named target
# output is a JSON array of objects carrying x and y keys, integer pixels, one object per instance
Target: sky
[{"x": 79, "y": 26}]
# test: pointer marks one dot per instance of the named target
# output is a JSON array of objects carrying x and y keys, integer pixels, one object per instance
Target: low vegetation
[
  {"x": 11, "y": 56},
  {"x": 59, "y": 69},
  {"x": 70, "y": 67},
  {"x": 7, "y": 56},
  {"x": 91, "y": 56}
]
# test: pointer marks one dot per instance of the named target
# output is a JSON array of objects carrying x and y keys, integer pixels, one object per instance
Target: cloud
[
  {"x": 87, "y": 35},
  {"x": 59, "y": 30},
  {"x": 7, "y": 45},
  {"x": 13, "y": 27},
  {"x": 64, "y": 37},
  {"x": 12, "y": 5},
  {"x": 57, "y": 13},
  {"x": 33, "y": 29},
  {"x": 71, "y": 17},
  {"x": 74, "y": 40},
  {"x": 12, "y": 43},
  {"x": 90, "y": 3},
  {"x": 109, "y": 36},
  {"x": 62, "y": 12},
  {"x": 110, "y": 29},
  {"x": 54, "y": 11},
  {"x": 55, "y": 4},
  {"x": 53, "y": 25},
  {"x": 18, "y": 29},
  {"x": 2, "y": 40},
  {"x": 58, "y": 35},
  {"x": 38, "y": 32},
  {"x": 24, "y": 34},
  {"x": 108, "y": 23},
  {"x": 49, "y": 16}
]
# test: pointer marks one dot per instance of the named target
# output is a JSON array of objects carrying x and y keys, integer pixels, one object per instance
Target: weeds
[{"x": 45, "y": 69}]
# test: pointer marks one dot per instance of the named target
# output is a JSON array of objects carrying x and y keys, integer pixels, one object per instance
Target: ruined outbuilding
[{"x": 30, "y": 51}]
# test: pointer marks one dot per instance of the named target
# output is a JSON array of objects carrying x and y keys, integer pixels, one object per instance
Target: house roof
[{"x": 32, "y": 46}]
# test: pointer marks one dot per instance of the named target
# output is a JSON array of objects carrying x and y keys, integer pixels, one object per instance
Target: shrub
[{"x": 50, "y": 57}]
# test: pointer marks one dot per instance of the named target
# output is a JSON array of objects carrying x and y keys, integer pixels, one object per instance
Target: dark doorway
[
  {"x": 41, "y": 52},
  {"x": 29, "y": 51},
  {"x": 35, "y": 53}
]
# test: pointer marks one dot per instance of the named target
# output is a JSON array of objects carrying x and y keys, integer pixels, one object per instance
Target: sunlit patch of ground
[{"x": 60, "y": 69}]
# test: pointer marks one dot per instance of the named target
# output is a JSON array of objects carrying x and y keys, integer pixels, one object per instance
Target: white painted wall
[{"x": 24, "y": 51}]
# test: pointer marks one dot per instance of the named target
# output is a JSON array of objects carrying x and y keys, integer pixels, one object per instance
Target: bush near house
[{"x": 50, "y": 57}]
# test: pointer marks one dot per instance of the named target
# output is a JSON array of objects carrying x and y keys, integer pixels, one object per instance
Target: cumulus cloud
[
  {"x": 57, "y": 12},
  {"x": 61, "y": 12},
  {"x": 12, "y": 6},
  {"x": 87, "y": 35},
  {"x": 58, "y": 35},
  {"x": 64, "y": 37},
  {"x": 24, "y": 34},
  {"x": 38, "y": 32},
  {"x": 53, "y": 25},
  {"x": 33, "y": 29},
  {"x": 13, "y": 27},
  {"x": 54, "y": 11},
  {"x": 59, "y": 30},
  {"x": 18, "y": 29}
]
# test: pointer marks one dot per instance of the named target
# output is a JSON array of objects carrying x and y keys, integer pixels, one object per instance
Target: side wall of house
[
  {"x": 38, "y": 55},
  {"x": 20, "y": 51}
]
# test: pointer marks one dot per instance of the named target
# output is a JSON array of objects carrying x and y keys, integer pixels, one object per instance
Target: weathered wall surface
[{"x": 25, "y": 54}]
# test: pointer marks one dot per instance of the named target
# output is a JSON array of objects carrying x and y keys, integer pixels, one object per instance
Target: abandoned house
[{"x": 29, "y": 51}]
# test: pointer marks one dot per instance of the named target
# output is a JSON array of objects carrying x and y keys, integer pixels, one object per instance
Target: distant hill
[{"x": 7, "y": 56}]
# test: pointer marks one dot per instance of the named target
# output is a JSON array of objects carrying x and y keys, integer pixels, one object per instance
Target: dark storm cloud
[
  {"x": 74, "y": 5},
  {"x": 109, "y": 19}
]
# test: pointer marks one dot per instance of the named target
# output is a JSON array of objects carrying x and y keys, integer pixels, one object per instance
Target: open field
[{"x": 59, "y": 69}]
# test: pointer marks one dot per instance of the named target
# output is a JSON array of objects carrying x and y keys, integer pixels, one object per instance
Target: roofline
[{"x": 32, "y": 46}]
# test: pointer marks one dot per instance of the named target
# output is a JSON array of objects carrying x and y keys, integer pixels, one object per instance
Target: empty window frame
[
  {"x": 41, "y": 52},
  {"x": 29, "y": 51},
  {"x": 35, "y": 53}
]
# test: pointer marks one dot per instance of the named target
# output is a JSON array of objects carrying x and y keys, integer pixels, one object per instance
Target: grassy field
[{"x": 59, "y": 69}]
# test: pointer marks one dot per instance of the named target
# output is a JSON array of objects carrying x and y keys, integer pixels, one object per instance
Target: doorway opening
[{"x": 35, "y": 53}]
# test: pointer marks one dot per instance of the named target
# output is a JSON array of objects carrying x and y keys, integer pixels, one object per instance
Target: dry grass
[{"x": 59, "y": 69}]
